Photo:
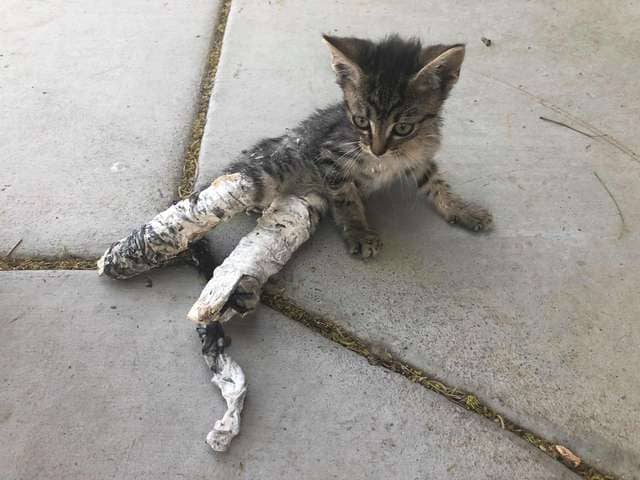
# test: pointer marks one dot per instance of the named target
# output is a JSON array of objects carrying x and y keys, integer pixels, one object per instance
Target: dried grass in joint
[
  {"x": 190, "y": 165},
  {"x": 466, "y": 400}
]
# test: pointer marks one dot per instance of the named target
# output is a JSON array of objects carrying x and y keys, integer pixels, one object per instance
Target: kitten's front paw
[
  {"x": 364, "y": 244},
  {"x": 470, "y": 216}
]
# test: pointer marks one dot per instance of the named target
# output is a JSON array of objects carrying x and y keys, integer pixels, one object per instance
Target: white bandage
[
  {"x": 171, "y": 231},
  {"x": 283, "y": 228},
  {"x": 229, "y": 378}
]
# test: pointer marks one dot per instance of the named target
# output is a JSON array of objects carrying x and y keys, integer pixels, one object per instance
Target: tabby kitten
[{"x": 387, "y": 127}]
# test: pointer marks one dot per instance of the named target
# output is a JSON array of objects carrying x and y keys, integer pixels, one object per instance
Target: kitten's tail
[{"x": 203, "y": 258}]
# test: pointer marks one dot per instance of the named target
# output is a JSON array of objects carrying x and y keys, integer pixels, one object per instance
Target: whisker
[
  {"x": 353, "y": 163},
  {"x": 347, "y": 156},
  {"x": 349, "y": 165}
]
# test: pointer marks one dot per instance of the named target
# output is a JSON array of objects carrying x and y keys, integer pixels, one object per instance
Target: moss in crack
[
  {"x": 190, "y": 165},
  {"x": 466, "y": 400},
  {"x": 73, "y": 263},
  {"x": 69, "y": 263}
]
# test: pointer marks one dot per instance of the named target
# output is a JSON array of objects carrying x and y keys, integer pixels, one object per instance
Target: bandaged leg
[
  {"x": 230, "y": 379},
  {"x": 235, "y": 287},
  {"x": 171, "y": 231},
  {"x": 231, "y": 382}
]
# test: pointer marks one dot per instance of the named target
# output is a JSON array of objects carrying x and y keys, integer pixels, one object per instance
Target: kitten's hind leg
[
  {"x": 234, "y": 289},
  {"x": 245, "y": 296},
  {"x": 451, "y": 206}
]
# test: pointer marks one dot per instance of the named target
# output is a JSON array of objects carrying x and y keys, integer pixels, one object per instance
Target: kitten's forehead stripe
[
  {"x": 426, "y": 117},
  {"x": 374, "y": 106}
]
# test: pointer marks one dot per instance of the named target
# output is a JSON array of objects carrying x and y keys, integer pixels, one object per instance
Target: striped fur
[{"x": 388, "y": 127}]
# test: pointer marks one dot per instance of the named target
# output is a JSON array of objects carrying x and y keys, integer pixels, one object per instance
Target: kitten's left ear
[
  {"x": 344, "y": 55},
  {"x": 441, "y": 69}
]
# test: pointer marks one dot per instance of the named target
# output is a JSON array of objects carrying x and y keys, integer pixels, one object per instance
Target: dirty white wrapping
[
  {"x": 171, "y": 231},
  {"x": 229, "y": 378},
  {"x": 283, "y": 228}
]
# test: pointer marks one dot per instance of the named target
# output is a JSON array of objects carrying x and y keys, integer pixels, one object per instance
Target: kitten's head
[{"x": 393, "y": 89}]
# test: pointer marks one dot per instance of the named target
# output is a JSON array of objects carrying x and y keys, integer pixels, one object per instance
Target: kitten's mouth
[{"x": 384, "y": 156}]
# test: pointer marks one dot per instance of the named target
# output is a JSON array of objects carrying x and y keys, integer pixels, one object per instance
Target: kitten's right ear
[{"x": 344, "y": 52}]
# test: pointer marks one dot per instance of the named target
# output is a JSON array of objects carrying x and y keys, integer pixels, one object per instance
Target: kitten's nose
[{"x": 378, "y": 146}]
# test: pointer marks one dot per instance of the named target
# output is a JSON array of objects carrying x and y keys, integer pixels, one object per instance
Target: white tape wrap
[
  {"x": 283, "y": 228},
  {"x": 188, "y": 220},
  {"x": 229, "y": 378},
  {"x": 171, "y": 231}
]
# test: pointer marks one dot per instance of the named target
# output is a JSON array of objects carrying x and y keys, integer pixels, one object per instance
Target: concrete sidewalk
[
  {"x": 96, "y": 105},
  {"x": 103, "y": 379},
  {"x": 540, "y": 316}
]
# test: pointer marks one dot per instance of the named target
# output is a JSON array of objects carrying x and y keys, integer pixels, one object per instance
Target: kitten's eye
[
  {"x": 403, "y": 129},
  {"x": 361, "y": 122}
]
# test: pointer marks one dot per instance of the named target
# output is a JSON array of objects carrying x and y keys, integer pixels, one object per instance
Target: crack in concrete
[
  {"x": 467, "y": 400},
  {"x": 375, "y": 355},
  {"x": 70, "y": 263},
  {"x": 192, "y": 155}
]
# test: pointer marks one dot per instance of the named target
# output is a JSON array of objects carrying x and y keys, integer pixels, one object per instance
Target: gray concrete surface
[
  {"x": 96, "y": 105},
  {"x": 539, "y": 317},
  {"x": 103, "y": 379}
]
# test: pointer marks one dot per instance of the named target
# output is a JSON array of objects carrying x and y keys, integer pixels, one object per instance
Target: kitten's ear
[
  {"x": 441, "y": 68},
  {"x": 344, "y": 52}
]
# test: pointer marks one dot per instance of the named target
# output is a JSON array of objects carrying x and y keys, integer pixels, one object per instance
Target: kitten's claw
[
  {"x": 364, "y": 245},
  {"x": 472, "y": 217}
]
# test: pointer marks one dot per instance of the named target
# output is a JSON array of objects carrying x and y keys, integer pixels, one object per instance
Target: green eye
[
  {"x": 361, "y": 122},
  {"x": 403, "y": 129}
]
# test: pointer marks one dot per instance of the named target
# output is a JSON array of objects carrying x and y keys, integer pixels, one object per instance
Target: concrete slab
[
  {"x": 105, "y": 381},
  {"x": 540, "y": 317},
  {"x": 96, "y": 105}
]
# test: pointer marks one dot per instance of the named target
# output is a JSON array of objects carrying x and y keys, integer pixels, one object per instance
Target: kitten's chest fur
[{"x": 375, "y": 173}]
